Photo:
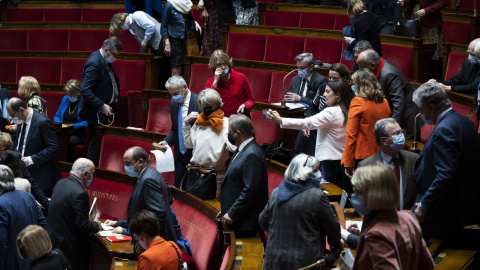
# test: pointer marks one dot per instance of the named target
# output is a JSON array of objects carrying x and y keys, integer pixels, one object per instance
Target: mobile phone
[{"x": 264, "y": 112}]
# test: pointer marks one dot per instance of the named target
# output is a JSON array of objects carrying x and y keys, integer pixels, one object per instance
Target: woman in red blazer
[{"x": 366, "y": 109}]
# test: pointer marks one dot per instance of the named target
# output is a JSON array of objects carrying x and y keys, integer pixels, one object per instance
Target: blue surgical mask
[
  {"x": 354, "y": 88},
  {"x": 73, "y": 99},
  {"x": 125, "y": 26},
  {"x": 302, "y": 73},
  {"x": 130, "y": 170},
  {"x": 428, "y": 122},
  {"x": 225, "y": 72},
  {"x": 359, "y": 204},
  {"x": 472, "y": 59},
  {"x": 89, "y": 181},
  {"x": 177, "y": 98},
  {"x": 231, "y": 139},
  {"x": 110, "y": 59},
  {"x": 318, "y": 175},
  {"x": 398, "y": 142}
]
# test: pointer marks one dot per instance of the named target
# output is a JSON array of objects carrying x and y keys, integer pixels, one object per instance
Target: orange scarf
[{"x": 215, "y": 119}]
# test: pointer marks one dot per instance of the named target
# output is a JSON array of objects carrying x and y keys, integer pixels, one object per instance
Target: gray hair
[
  {"x": 379, "y": 130},
  {"x": 431, "y": 93},
  {"x": 371, "y": 57},
  {"x": 209, "y": 97},
  {"x": 362, "y": 46},
  {"x": 178, "y": 80},
  {"x": 112, "y": 43},
  {"x": 6, "y": 179},
  {"x": 81, "y": 165},
  {"x": 301, "y": 168},
  {"x": 476, "y": 51},
  {"x": 305, "y": 57},
  {"x": 243, "y": 123}
]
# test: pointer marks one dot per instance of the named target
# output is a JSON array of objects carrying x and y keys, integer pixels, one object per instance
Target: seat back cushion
[
  {"x": 86, "y": 40},
  {"x": 401, "y": 57},
  {"x": 341, "y": 20},
  {"x": 283, "y": 49},
  {"x": 200, "y": 231},
  {"x": 281, "y": 18},
  {"x": 456, "y": 32},
  {"x": 246, "y": 46},
  {"x": 13, "y": 40},
  {"x": 466, "y": 111},
  {"x": 44, "y": 70},
  {"x": 62, "y": 15},
  {"x": 135, "y": 115},
  {"x": 259, "y": 82},
  {"x": 425, "y": 132},
  {"x": 276, "y": 86},
  {"x": 24, "y": 15},
  {"x": 274, "y": 181},
  {"x": 317, "y": 20},
  {"x": 199, "y": 74},
  {"x": 131, "y": 75},
  {"x": 129, "y": 43},
  {"x": 71, "y": 69},
  {"x": 454, "y": 64},
  {"x": 98, "y": 15},
  {"x": 348, "y": 63},
  {"x": 52, "y": 101},
  {"x": 324, "y": 49},
  {"x": 9, "y": 70},
  {"x": 159, "y": 119},
  {"x": 47, "y": 40},
  {"x": 112, "y": 198},
  {"x": 265, "y": 130}
]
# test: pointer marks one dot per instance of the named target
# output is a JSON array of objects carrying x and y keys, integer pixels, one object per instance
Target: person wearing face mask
[
  {"x": 100, "y": 89},
  {"x": 184, "y": 102},
  {"x": 467, "y": 78},
  {"x": 447, "y": 170},
  {"x": 68, "y": 113},
  {"x": 68, "y": 216},
  {"x": 390, "y": 239},
  {"x": 233, "y": 86},
  {"x": 159, "y": 253}
]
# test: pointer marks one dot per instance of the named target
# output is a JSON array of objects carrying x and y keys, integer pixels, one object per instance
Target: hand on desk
[
  {"x": 118, "y": 230},
  {"x": 110, "y": 222}
]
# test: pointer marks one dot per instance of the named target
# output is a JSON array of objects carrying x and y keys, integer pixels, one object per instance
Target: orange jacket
[
  {"x": 159, "y": 255},
  {"x": 360, "y": 142}
]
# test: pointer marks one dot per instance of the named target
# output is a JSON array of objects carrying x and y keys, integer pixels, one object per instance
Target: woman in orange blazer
[{"x": 366, "y": 109}]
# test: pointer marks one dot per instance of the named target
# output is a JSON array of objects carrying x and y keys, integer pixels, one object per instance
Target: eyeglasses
[{"x": 306, "y": 161}]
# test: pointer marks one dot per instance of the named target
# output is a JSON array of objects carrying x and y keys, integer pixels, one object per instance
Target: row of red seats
[
  {"x": 60, "y": 15},
  {"x": 61, "y": 40}
]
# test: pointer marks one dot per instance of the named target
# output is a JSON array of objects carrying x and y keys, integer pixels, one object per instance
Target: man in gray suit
[{"x": 391, "y": 139}]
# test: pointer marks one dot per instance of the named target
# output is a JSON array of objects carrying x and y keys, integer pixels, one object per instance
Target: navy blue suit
[
  {"x": 447, "y": 176},
  {"x": 245, "y": 190},
  {"x": 181, "y": 160},
  {"x": 42, "y": 145}
]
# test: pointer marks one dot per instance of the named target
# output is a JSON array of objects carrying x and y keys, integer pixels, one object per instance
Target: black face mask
[
  {"x": 207, "y": 110},
  {"x": 231, "y": 139}
]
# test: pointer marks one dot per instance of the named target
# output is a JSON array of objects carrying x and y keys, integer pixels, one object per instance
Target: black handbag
[
  {"x": 200, "y": 182},
  {"x": 408, "y": 28},
  {"x": 276, "y": 151}
]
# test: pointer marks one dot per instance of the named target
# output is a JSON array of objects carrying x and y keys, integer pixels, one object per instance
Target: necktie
[
  {"x": 114, "y": 84},
  {"x": 181, "y": 141},
  {"x": 302, "y": 86},
  {"x": 22, "y": 138},
  {"x": 396, "y": 169},
  {"x": 234, "y": 155}
]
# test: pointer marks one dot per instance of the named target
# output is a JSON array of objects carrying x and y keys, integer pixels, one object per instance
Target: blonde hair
[
  {"x": 27, "y": 86},
  {"x": 33, "y": 242},
  {"x": 116, "y": 23},
  {"x": 5, "y": 140},
  {"x": 209, "y": 97},
  {"x": 378, "y": 186},
  {"x": 72, "y": 87},
  {"x": 368, "y": 86},
  {"x": 221, "y": 56},
  {"x": 355, "y": 7}
]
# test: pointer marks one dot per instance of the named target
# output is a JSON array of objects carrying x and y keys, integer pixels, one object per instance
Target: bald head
[
  {"x": 17, "y": 107},
  {"x": 368, "y": 59},
  {"x": 83, "y": 169},
  {"x": 471, "y": 46}
]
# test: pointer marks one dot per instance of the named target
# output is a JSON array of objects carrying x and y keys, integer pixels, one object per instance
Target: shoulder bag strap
[{"x": 178, "y": 255}]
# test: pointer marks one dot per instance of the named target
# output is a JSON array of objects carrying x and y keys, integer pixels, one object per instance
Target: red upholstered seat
[
  {"x": 159, "y": 119},
  {"x": 71, "y": 69},
  {"x": 86, "y": 40},
  {"x": 274, "y": 181},
  {"x": 259, "y": 82},
  {"x": 349, "y": 64},
  {"x": 324, "y": 49},
  {"x": 24, "y": 15},
  {"x": 265, "y": 130},
  {"x": 13, "y": 40},
  {"x": 283, "y": 49},
  {"x": 317, "y": 20},
  {"x": 44, "y": 70},
  {"x": 281, "y": 18},
  {"x": 454, "y": 64},
  {"x": 226, "y": 256},
  {"x": 401, "y": 57},
  {"x": 135, "y": 116},
  {"x": 456, "y": 32},
  {"x": 276, "y": 86},
  {"x": 466, "y": 111},
  {"x": 52, "y": 101},
  {"x": 129, "y": 43},
  {"x": 199, "y": 75},
  {"x": 246, "y": 46},
  {"x": 197, "y": 16},
  {"x": 47, "y": 40},
  {"x": 62, "y": 15},
  {"x": 112, "y": 198},
  {"x": 341, "y": 20},
  {"x": 201, "y": 232},
  {"x": 98, "y": 15},
  {"x": 425, "y": 132},
  {"x": 131, "y": 74},
  {"x": 8, "y": 70}
]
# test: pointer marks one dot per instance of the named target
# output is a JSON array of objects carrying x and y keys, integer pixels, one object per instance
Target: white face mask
[
  {"x": 110, "y": 59},
  {"x": 472, "y": 59},
  {"x": 17, "y": 121},
  {"x": 125, "y": 26},
  {"x": 73, "y": 99},
  {"x": 143, "y": 243},
  {"x": 225, "y": 72}
]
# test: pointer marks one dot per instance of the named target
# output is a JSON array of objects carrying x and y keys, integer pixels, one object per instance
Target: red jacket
[{"x": 433, "y": 12}]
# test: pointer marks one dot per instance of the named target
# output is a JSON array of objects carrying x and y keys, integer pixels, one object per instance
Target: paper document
[
  {"x": 107, "y": 227},
  {"x": 108, "y": 233},
  {"x": 293, "y": 106},
  {"x": 164, "y": 160}
]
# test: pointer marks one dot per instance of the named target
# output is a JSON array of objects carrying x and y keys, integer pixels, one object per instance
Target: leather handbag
[
  {"x": 407, "y": 28},
  {"x": 276, "y": 151},
  {"x": 200, "y": 182}
]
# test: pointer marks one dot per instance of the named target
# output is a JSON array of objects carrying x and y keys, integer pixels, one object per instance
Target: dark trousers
[
  {"x": 181, "y": 166},
  {"x": 333, "y": 172},
  {"x": 92, "y": 144}
]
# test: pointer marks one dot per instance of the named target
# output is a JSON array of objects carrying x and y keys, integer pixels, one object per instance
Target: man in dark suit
[
  {"x": 68, "y": 216},
  {"x": 100, "y": 89},
  {"x": 245, "y": 186},
  {"x": 187, "y": 101},
  {"x": 447, "y": 171},
  {"x": 4, "y": 97},
  {"x": 396, "y": 87},
  {"x": 38, "y": 143},
  {"x": 303, "y": 88}
]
